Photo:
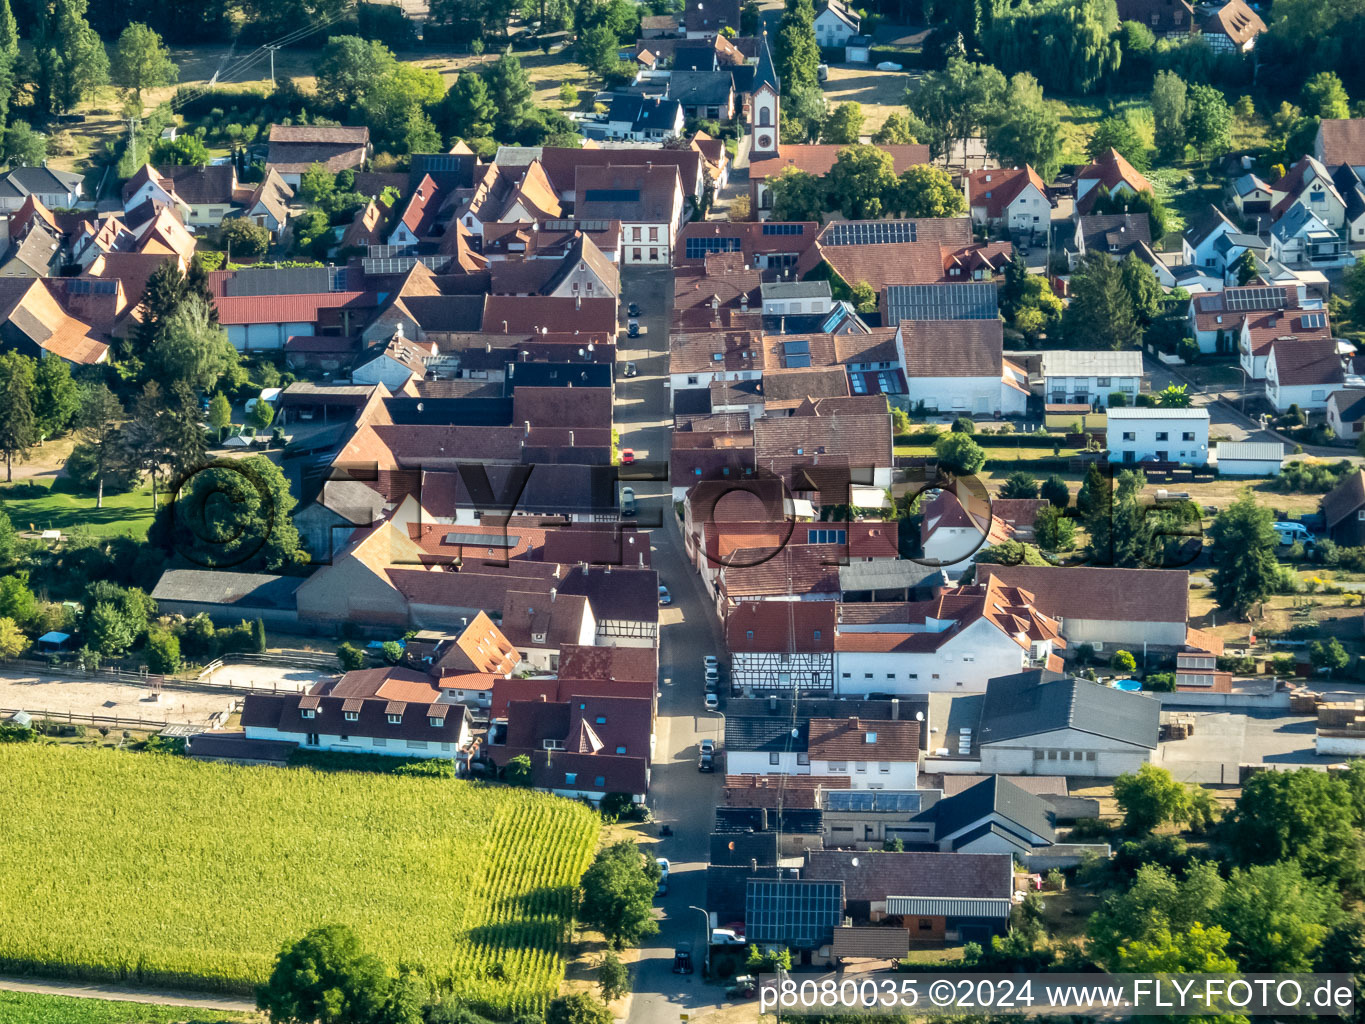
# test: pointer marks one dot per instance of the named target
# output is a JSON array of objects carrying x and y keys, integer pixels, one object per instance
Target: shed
[
  {"x": 1250, "y": 458},
  {"x": 858, "y": 50}
]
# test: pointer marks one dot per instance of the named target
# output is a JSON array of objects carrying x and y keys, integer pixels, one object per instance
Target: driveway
[
  {"x": 680, "y": 796},
  {"x": 1223, "y": 740}
]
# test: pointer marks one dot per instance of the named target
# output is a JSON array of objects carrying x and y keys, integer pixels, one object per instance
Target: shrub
[
  {"x": 163, "y": 652},
  {"x": 1160, "y": 682},
  {"x": 1123, "y": 661},
  {"x": 964, "y": 425},
  {"x": 350, "y": 657}
]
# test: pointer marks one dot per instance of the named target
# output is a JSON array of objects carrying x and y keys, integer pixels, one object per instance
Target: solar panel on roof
[
  {"x": 797, "y": 362},
  {"x": 784, "y": 229},
  {"x": 1244, "y": 299},
  {"x": 795, "y": 911},
  {"x": 1314, "y": 320},
  {"x": 485, "y": 540},
  {"x": 796, "y": 348},
  {"x": 441, "y": 162},
  {"x": 611, "y": 195},
  {"x": 880, "y": 232},
  {"x": 85, "y": 286},
  {"x": 700, "y": 248},
  {"x": 380, "y": 252},
  {"x": 872, "y": 800},
  {"x": 973, "y": 301},
  {"x": 401, "y": 265},
  {"x": 577, "y": 225}
]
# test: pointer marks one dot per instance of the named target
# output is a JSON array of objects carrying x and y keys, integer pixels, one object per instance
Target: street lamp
[{"x": 705, "y": 940}]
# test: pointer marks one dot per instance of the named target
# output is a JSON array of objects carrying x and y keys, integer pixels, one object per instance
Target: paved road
[
  {"x": 118, "y": 993},
  {"x": 679, "y": 795}
]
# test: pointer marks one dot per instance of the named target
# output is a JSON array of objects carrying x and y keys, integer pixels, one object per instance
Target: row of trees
[{"x": 863, "y": 184}]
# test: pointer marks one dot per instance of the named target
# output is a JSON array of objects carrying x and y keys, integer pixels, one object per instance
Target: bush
[
  {"x": 1123, "y": 661},
  {"x": 243, "y": 238},
  {"x": 964, "y": 425},
  {"x": 435, "y": 767},
  {"x": 350, "y": 657},
  {"x": 163, "y": 652},
  {"x": 1160, "y": 682}
]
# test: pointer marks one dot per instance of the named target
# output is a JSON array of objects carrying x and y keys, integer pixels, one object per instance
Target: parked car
[
  {"x": 712, "y": 674},
  {"x": 708, "y": 746},
  {"x": 712, "y": 684},
  {"x": 627, "y": 501},
  {"x": 633, "y": 329},
  {"x": 888, "y": 65},
  {"x": 706, "y": 763},
  {"x": 682, "y": 958},
  {"x": 711, "y": 661},
  {"x": 665, "y": 598},
  {"x": 745, "y": 986},
  {"x": 712, "y": 702},
  {"x": 631, "y": 370},
  {"x": 633, "y": 310},
  {"x": 663, "y": 876},
  {"x": 627, "y": 456},
  {"x": 726, "y": 937}
]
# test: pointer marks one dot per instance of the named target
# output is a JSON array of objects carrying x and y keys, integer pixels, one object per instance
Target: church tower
[{"x": 765, "y": 108}]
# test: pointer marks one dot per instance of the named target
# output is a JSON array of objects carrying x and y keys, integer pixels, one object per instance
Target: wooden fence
[{"x": 113, "y": 721}]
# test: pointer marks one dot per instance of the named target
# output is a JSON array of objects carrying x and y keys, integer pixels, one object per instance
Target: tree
[
  {"x": 1053, "y": 530},
  {"x": 258, "y": 636},
  {"x": 349, "y": 68},
  {"x": 18, "y": 429},
  {"x": 1324, "y": 96},
  {"x": 1245, "y": 268},
  {"x": 1243, "y": 555},
  {"x": 1096, "y": 493},
  {"x": 109, "y": 630},
  {"x": 1123, "y": 661},
  {"x": 509, "y": 90},
  {"x": 1154, "y": 900},
  {"x": 959, "y": 454},
  {"x": 98, "y": 430},
  {"x": 1150, "y": 798},
  {"x": 1027, "y": 130},
  {"x": 1101, "y": 313},
  {"x": 797, "y": 56},
  {"x": 596, "y": 49},
  {"x": 316, "y": 184},
  {"x": 577, "y": 1008},
  {"x": 1169, "y": 103},
  {"x": 141, "y": 61},
  {"x": 1055, "y": 490},
  {"x": 326, "y": 977},
  {"x": 350, "y": 657},
  {"x": 69, "y": 59},
  {"x": 187, "y": 149},
  {"x": 1020, "y": 484},
  {"x": 1174, "y": 396},
  {"x": 568, "y": 96},
  {"x": 1276, "y": 917},
  {"x": 467, "y": 112},
  {"x": 12, "y": 640},
  {"x": 618, "y": 894},
  {"x": 612, "y": 977},
  {"x": 163, "y": 652},
  {"x": 860, "y": 180},
  {"x": 864, "y": 298},
  {"x": 844, "y": 124},
  {"x": 900, "y": 128},
  {"x": 1144, "y": 290},
  {"x": 232, "y": 513},
  {"x": 797, "y": 195},
  {"x": 244, "y": 239},
  {"x": 17, "y": 601},
  {"x": 1328, "y": 655},
  {"x": 56, "y": 399},
  {"x": 1208, "y": 121},
  {"x": 220, "y": 414},
  {"x": 518, "y": 770},
  {"x": 1343, "y": 952},
  {"x": 957, "y": 102},
  {"x": 191, "y": 348},
  {"x": 23, "y": 146},
  {"x": 927, "y": 191},
  {"x": 419, "y": 133},
  {"x": 7, "y": 539},
  {"x": 1199, "y": 950},
  {"x": 1117, "y": 132},
  {"x": 803, "y": 114},
  {"x": 182, "y": 432},
  {"x": 1302, "y": 816},
  {"x": 262, "y": 414}
]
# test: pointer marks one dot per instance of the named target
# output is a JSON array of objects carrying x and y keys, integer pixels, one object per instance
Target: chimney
[
  {"x": 541, "y": 698},
  {"x": 554, "y": 592},
  {"x": 895, "y": 709},
  {"x": 578, "y": 302},
  {"x": 853, "y": 721},
  {"x": 504, "y": 327},
  {"x": 753, "y": 864},
  {"x": 528, "y": 427},
  {"x": 571, "y": 436}
]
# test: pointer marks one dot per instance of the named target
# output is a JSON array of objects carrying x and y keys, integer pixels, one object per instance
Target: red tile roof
[
  {"x": 995, "y": 188},
  {"x": 766, "y": 626},
  {"x": 282, "y": 309}
]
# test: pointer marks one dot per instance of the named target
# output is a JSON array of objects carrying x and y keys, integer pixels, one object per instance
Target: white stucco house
[
  {"x": 1161, "y": 435},
  {"x": 1303, "y": 373},
  {"x": 1014, "y": 198},
  {"x": 959, "y": 365},
  {"x": 1076, "y": 376},
  {"x": 836, "y": 24}
]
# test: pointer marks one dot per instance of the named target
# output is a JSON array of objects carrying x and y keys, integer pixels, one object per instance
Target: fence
[
  {"x": 199, "y": 681},
  {"x": 113, "y": 721}
]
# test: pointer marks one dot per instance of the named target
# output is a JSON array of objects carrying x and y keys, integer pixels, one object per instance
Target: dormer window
[
  {"x": 436, "y": 723},
  {"x": 395, "y": 719},
  {"x": 309, "y": 713},
  {"x": 351, "y": 716}
]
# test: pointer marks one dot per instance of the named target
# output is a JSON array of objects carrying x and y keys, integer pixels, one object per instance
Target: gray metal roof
[
  {"x": 1257, "y": 450},
  {"x": 1035, "y": 702},
  {"x": 1092, "y": 363},
  {"x": 1161, "y": 413},
  {"x": 939, "y": 906},
  {"x": 205, "y": 586},
  {"x": 795, "y": 290},
  {"x": 883, "y": 574}
]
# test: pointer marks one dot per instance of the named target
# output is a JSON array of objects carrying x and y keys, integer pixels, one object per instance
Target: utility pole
[
  {"x": 272, "y": 48},
  {"x": 133, "y": 125}
]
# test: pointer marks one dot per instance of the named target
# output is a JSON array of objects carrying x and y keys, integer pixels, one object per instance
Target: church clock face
[{"x": 765, "y": 142}]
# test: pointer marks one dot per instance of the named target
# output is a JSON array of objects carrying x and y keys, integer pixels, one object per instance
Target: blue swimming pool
[{"x": 1129, "y": 685}]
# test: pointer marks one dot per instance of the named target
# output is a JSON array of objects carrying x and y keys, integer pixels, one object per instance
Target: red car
[{"x": 627, "y": 456}]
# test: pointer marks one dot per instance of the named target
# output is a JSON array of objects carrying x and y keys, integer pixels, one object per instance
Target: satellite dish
[
  {"x": 854, "y": 862},
  {"x": 919, "y": 716}
]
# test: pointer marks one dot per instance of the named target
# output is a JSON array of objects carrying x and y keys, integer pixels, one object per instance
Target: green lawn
[
  {"x": 158, "y": 870},
  {"x": 129, "y": 513},
  {"x": 1080, "y": 114},
  {"x": 1187, "y": 194},
  {"x": 31, "y": 1008}
]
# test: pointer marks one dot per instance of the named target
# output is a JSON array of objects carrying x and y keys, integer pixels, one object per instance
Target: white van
[{"x": 1289, "y": 533}]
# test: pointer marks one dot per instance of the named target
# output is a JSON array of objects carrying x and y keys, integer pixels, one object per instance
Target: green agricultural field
[
  {"x": 31, "y": 1008},
  {"x": 159, "y": 870}
]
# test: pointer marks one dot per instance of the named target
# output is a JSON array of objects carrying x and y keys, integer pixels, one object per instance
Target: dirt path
[{"x": 124, "y": 994}]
